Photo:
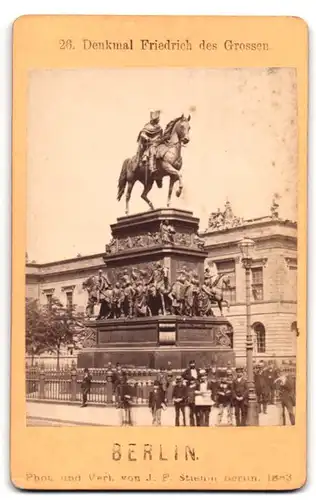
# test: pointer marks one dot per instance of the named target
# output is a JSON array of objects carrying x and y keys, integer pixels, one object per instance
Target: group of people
[{"x": 196, "y": 391}]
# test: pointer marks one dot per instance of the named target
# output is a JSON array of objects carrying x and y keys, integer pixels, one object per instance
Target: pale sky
[{"x": 82, "y": 124}]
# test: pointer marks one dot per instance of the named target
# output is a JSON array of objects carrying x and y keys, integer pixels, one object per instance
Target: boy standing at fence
[
  {"x": 157, "y": 402},
  {"x": 85, "y": 386},
  {"x": 224, "y": 399},
  {"x": 124, "y": 395}
]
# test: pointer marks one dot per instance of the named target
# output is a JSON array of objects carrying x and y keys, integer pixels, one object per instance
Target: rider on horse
[{"x": 148, "y": 140}]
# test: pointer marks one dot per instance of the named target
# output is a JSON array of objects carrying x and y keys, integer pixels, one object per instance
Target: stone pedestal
[
  {"x": 138, "y": 244},
  {"x": 156, "y": 341}
]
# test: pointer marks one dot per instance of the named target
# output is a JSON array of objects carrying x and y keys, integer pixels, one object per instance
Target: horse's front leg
[
  {"x": 220, "y": 306},
  {"x": 145, "y": 192},
  {"x": 171, "y": 184},
  {"x": 227, "y": 305},
  {"x": 130, "y": 186},
  {"x": 174, "y": 175},
  {"x": 180, "y": 187}
]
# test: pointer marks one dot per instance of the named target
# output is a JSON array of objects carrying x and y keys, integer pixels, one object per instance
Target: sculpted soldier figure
[
  {"x": 148, "y": 139},
  {"x": 140, "y": 300},
  {"x": 129, "y": 294},
  {"x": 167, "y": 232},
  {"x": 205, "y": 299},
  {"x": 177, "y": 294},
  {"x": 103, "y": 284},
  {"x": 91, "y": 286},
  {"x": 117, "y": 299}
]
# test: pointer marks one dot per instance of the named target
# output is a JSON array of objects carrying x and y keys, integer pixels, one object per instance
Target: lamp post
[{"x": 246, "y": 247}]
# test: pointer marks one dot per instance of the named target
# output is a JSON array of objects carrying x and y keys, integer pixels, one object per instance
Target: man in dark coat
[
  {"x": 271, "y": 377},
  {"x": 85, "y": 386},
  {"x": 179, "y": 396},
  {"x": 124, "y": 395},
  {"x": 285, "y": 387},
  {"x": 262, "y": 388},
  {"x": 240, "y": 397},
  {"x": 191, "y": 373}
]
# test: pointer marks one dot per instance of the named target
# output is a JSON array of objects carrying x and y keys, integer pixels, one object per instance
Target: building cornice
[{"x": 259, "y": 239}]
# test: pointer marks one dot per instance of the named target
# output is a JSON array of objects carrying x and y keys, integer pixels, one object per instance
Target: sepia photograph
[{"x": 161, "y": 263}]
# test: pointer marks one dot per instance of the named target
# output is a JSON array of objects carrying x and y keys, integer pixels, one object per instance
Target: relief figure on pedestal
[{"x": 167, "y": 232}]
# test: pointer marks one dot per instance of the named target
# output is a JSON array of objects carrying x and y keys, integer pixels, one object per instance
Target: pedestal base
[{"x": 156, "y": 342}]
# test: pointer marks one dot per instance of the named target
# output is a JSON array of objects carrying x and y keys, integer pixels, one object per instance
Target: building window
[
  {"x": 228, "y": 268},
  {"x": 49, "y": 293},
  {"x": 69, "y": 291},
  {"x": 260, "y": 337},
  {"x": 69, "y": 296},
  {"x": 49, "y": 298},
  {"x": 257, "y": 283}
]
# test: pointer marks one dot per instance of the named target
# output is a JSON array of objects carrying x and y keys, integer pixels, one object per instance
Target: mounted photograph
[{"x": 162, "y": 247}]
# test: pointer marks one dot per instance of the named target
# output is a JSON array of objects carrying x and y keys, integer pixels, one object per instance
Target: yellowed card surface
[{"x": 159, "y": 253}]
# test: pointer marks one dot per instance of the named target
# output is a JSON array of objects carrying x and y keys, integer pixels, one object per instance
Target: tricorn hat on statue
[{"x": 155, "y": 115}]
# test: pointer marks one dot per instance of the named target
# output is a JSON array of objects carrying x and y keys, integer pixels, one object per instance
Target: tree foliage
[{"x": 51, "y": 327}]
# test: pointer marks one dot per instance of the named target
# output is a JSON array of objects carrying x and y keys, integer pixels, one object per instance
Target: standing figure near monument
[{"x": 148, "y": 140}]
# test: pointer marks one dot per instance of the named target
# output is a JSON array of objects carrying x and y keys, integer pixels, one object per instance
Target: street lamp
[{"x": 246, "y": 246}]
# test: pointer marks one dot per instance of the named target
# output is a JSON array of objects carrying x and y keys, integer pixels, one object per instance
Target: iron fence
[{"x": 49, "y": 384}]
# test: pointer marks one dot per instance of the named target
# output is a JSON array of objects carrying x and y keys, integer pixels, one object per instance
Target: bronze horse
[
  {"x": 220, "y": 283},
  {"x": 168, "y": 163}
]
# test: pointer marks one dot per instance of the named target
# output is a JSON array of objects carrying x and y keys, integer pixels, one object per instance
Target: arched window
[{"x": 260, "y": 336}]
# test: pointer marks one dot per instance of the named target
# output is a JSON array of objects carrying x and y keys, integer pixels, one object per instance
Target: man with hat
[
  {"x": 271, "y": 377},
  {"x": 261, "y": 386},
  {"x": 179, "y": 397},
  {"x": 148, "y": 140},
  {"x": 286, "y": 389},
  {"x": 240, "y": 397},
  {"x": 157, "y": 402},
  {"x": 191, "y": 373}
]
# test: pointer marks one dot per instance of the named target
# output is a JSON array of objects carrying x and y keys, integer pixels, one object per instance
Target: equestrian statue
[{"x": 158, "y": 155}]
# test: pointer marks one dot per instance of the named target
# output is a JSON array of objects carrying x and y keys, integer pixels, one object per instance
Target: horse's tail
[{"x": 122, "y": 180}]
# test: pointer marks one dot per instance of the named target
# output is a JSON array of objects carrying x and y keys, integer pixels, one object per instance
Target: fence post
[
  {"x": 73, "y": 381},
  {"x": 109, "y": 387},
  {"x": 42, "y": 381}
]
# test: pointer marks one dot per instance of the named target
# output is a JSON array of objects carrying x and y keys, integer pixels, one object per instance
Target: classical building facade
[{"x": 273, "y": 280}]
